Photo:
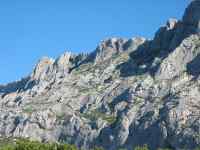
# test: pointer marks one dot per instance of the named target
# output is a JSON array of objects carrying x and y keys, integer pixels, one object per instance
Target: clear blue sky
[{"x": 30, "y": 29}]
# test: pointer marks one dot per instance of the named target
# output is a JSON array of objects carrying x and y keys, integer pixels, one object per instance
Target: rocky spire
[
  {"x": 114, "y": 46},
  {"x": 63, "y": 63},
  {"x": 108, "y": 48},
  {"x": 192, "y": 14},
  {"x": 41, "y": 68}
]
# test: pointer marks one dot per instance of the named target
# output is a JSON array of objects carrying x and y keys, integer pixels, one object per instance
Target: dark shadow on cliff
[
  {"x": 142, "y": 60},
  {"x": 193, "y": 66},
  {"x": 18, "y": 86},
  {"x": 123, "y": 96},
  {"x": 158, "y": 133}
]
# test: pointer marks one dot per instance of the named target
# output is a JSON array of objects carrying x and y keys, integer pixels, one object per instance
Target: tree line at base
[{"x": 24, "y": 144}]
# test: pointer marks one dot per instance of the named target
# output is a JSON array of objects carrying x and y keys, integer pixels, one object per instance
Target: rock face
[
  {"x": 128, "y": 92},
  {"x": 192, "y": 15}
]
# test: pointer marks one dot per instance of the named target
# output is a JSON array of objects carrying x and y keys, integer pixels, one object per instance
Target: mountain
[{"x": 128, "y": 92}]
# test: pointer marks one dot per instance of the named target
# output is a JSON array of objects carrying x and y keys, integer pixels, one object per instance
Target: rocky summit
[{"x": 126, "y": 93}]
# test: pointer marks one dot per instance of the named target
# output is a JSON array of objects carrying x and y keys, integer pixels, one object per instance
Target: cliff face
[{"x": 127, "y": 92}]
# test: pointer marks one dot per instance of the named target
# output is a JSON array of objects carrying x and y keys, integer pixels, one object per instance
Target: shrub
[
  {"x": 98, "y": 148},
  {"x": 24, "y": 144},
  {"x": 145, "y": 147},
  {"x": 29, "y": 109},
  {"x": 95, "y": 114}
]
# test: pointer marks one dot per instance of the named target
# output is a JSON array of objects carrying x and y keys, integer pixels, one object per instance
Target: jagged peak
[
  {"x": 134, "y": 100},
  {"x": 117, "y": 44},
  {"x": 192, "y": 14},
  {"x": 45, "y": 61},
  {"x": 49, "y": 68},
  {"x": 112, "y": 43},
  {"x": 64, "y": 59},
  {"x": 171, "y": 23},
  {"x": 113, "y": 46},
  {"x": 41, "y": 67}
]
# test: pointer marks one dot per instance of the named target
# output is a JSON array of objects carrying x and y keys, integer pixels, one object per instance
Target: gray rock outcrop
[{"x": 128, "y": 92}]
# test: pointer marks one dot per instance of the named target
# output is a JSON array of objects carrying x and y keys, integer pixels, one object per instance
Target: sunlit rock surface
[{"x": 127, "y": 92}]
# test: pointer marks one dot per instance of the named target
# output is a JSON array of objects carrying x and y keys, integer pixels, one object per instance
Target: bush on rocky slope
[
  {"x": 127, "y": 92},
  {"x": 23, "y": 144}
]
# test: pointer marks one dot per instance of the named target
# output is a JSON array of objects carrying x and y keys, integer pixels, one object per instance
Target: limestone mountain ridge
[{"x": 128, "y": 92}]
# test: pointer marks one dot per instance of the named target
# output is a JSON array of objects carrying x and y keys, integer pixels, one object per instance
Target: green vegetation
[
  {"x": 84, "y": 68},
  {"x": 138, "y": 100},
  {"x": 120, "y": 58},
  {"x": 145, "y": 147},
  {"x": 87, "y": 90},
  {"x": 60, "y": 116},
  {"x": 24, "y": 144},
  {"x": 93, "y": 89},
  {"x": 95, "y": 114},
  {"x": 29, "y": 109},
  {"x": 98, "y": 148}
]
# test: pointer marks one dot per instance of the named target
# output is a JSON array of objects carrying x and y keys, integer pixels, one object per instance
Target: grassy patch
[
  {"x": 84, "y": 68},
  {"x": 61, "y": 116},
  {"x": 28, "y": 109},
  {"x": 95, "y": 114},
  {"x": 23, "y": 144}
]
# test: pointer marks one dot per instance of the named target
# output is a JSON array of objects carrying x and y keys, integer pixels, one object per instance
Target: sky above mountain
[{"x": 32, "y": 29}]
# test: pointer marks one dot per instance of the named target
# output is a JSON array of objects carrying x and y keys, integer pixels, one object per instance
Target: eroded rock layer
[{"x": 127, "y": 92}]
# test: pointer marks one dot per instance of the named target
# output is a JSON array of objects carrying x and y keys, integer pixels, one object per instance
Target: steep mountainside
[{"x": 127, "y": 92}]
